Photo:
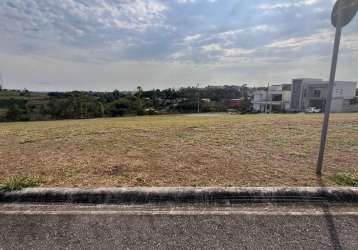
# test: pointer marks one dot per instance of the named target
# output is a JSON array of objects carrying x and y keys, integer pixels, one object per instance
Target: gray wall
[{"x": 296, "y": 94}]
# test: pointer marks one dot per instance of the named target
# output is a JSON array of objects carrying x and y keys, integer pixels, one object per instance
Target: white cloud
[
  {"x": 263, "y": 28},
  {"x": 185, "y": 1},
  {"x": 29, "y": 15},
  {"x": 193, "y": 1},
  {"x": 288, "y": 4},
  {"x": 109, "y": 42},
  {"x": 93, "y": 30},
  {"x": 245, "y": 31},
  {"x": 214, "y": 47},
  {"x": 222, "y": 54},
  {"x": 192, "y": 38},
  {"x": 311, "y": 2},
  {"x": 350, "y": 42},
  {"x": 323, "y": 36}
]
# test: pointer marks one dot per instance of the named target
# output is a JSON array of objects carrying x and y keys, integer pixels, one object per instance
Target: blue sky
[{"x": 120, "y": 44}]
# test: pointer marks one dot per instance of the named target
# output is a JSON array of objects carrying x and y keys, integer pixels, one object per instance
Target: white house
[{"x": 272, "y": 98}]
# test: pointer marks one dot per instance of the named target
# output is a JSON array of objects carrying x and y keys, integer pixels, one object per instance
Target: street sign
[{"x": 343, "y": 12}]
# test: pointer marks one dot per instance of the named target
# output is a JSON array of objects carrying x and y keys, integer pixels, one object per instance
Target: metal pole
[
  {"x": 198, "y": 103},
  {"x": 329, "y": 100},
  {"x": 270, "y": 101},
  {"x": 198, "y": 98},
  {"x": 267, "y": 98}
]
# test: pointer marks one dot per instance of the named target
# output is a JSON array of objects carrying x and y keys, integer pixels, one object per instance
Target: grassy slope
[{"x": 224, "y": 150}]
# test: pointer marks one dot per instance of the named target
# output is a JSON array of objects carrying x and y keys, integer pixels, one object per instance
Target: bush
[
  {"x": 18, "y": 183},
  {"x": 7, "y": 103},
  {"x": 119, "y": 107},
  {"x": 14, "y": 113}
]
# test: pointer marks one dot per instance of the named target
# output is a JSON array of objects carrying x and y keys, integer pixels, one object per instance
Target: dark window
[
  {"x": 317, "y": 93},
  {"x": 276, "y": 98},
  {"x": 354, "y": 101}
]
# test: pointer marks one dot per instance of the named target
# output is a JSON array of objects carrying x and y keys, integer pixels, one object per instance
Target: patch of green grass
[
  {"x": 18, "y": 183},
  {"x": 345, "y": 180},
  {"x": 347, "y": 142}
]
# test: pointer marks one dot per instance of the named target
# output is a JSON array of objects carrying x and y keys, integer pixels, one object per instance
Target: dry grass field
[{"x": 220, "y": 150}]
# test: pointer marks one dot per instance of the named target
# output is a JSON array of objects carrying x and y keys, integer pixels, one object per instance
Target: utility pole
[
  {"x": 343, "y": 12},
  {"x": 270, "y": 102},
  {"x": 267, "y": 109},
  {"x": 197, "y": 87}
]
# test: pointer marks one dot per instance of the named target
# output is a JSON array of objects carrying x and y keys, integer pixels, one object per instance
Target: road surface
[{"x": 260, "y": 226}]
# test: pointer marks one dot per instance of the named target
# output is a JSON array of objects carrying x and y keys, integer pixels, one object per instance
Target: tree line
[{"x": 83, "y": 105}]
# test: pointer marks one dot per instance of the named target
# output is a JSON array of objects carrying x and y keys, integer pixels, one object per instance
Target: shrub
[
  {"x": 119, "y": 107},
  {"x": 18, "y": 183},
  {"x": 14, "y": 113}
]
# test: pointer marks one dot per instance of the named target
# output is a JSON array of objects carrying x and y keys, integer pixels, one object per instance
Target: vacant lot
[{"x": 222, "y": 150}]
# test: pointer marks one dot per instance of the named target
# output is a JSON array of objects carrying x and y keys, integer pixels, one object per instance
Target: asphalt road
[{"x": 264, "y": 226}]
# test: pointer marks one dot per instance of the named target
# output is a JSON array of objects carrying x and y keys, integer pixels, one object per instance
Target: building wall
[
  {"x": 275, "y": 89},
  {"x": 347, "y": 90},
  {"x": 337, "y": 105},
  {"x": 286, "y": 100},
  {"x": 286, "y": 96},
  {"x": 275, "y": 99},
  {"x": 313, "y": 92},
  {"x": 296, "y": 94},
  {"x": 298, "y": 86},
  {"x": 260, "y": 96},
  {"x": 349, "y": 106}
]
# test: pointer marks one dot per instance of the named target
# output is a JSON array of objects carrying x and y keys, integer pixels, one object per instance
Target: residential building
[
  {"x": 273, "y": 98},
  {"x": 307, "y": 92},
  {"x": 259, "y": 100}
]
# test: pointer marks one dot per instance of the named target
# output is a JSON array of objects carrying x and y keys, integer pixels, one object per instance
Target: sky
[{"x": 102, "y": 45}]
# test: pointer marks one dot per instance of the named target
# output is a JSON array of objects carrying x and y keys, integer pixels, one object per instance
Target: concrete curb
[{"x": 180, "y": 195}]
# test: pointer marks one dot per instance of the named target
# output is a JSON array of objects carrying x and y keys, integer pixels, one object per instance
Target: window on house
[
  {"x": 339, "y": 91},
  {"x": 276, "y": 98},
  {"x": 317, "y": 93},
  {"x": 354, "y": 101}
]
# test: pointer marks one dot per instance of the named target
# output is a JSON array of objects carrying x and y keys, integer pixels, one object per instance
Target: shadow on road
[{"x": 331, "y": 227}]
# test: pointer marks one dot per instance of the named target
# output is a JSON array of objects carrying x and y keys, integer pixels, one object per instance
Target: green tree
[
  {"x": 14, "y": 113},
  {"x": 99, "y": 110},
  {"x": 119, "y": 107},
  {"x": 139, "y": 107},
  {"x": 139, "y": 93},
  {"x": 43, "y": 110}
]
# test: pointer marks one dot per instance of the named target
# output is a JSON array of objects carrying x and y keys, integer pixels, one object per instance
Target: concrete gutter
[{"x": 180, "y": 195}]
